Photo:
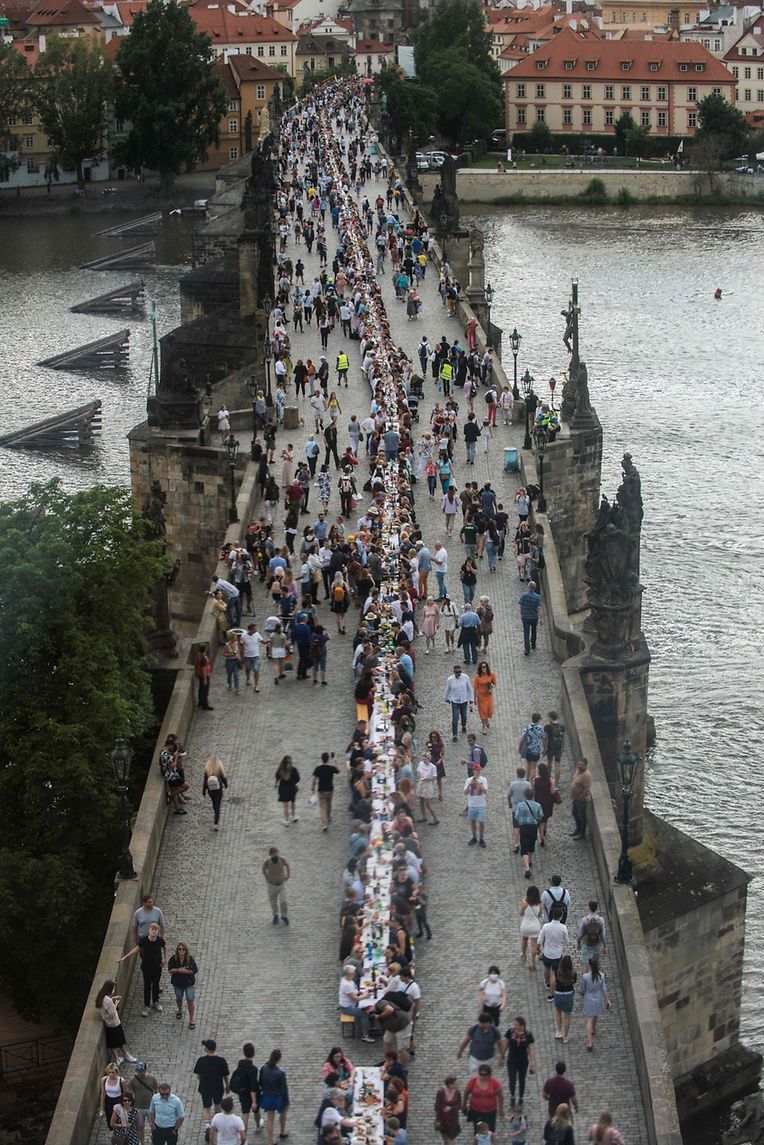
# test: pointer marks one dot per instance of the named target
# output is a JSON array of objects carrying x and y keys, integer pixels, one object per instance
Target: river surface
[{"x": 676, "y": 380}]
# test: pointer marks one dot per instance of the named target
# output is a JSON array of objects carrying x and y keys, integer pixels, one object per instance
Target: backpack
[
  {"x": 338, "y": 593},
  {"x": 345, "y": 485},
  {"x": 399, "y": 999},
  {"x": 316, "y": 651},
  {"x": 556, "y": 732},
  {"x": 592, "y": 932},
  {"x": 238, "y": 1082},
  {"x": 490, "y": 397},
  {"x": 560, "y": 902}
]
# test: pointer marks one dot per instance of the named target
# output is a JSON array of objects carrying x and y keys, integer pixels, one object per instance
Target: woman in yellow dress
[{"x": 484, "y": 685}]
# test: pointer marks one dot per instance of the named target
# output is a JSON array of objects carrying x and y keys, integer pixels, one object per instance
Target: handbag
[{"x": 556, "y": 798}]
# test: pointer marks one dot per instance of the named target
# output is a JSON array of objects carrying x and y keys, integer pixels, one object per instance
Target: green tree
[
  {"x": 76, "y": 572},
  {"x": 74, "y": 84},
  {"x": 624, "y": 126},
  {"x": 722, "y": 125},
  {"x": 539, "y": 138},
  {"x": 168, "y": 92},
  {"x": 15, "y": 100},
  {"x": 410, "y": 104},
  {"x": 453, "y": 24}
]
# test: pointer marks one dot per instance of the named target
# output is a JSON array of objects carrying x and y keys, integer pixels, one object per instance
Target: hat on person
[
  {"x": 477, "y": 767},
  {"x": 210, "y": 1044},
  {"x": 140, "y": 1067}
]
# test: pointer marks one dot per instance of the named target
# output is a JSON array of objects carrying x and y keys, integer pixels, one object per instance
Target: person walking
[
  {"x": 276, "y": 872},
  {"x": 603, "y": 1132},
  {"x": 251, "y": 642},
  {"x": 203, "y": 672},
  {"x": 246, "y": 1083},
  {"x": 212, "y": 1071},
  {"x": 468, "y": 578},
  {"x": 546, "y": 795},
  {"x": 287, "y": 785},
  {"x": 183, "y": 971},
  {"x": 107, "y": 1003},
  {"x": 460, "y": 695},
  {"x": 565, "y": 980},
  {"x": 529, "y": 746},
  {"x": 484, "y": 1041},
  {"x": 427, "y": 773},
  {"x": 166, "y": 1115},
  {"x": 592, "y": 937},
  {"x": 448, "y": 1102},
  {"x": 476, "y": 790},
  {"x": 527, "y": 814},
  {"x": 143, "y": 1086},
  {"x": 531, "y": 615},
  {"x": 151, "y": 949},
  {"x": 521, "y": 1057},
  {"x": 484, "y": 686},
  {"x": 483, "y": 1101},
  {"x": 323, "y": 784},
  {"x": 233, "y": 660},
  {"x": 440, "y": 564},
  {"x": 430, "y": 624},
  {"x": 277, "y": 644},
  {"x": 531, "y": 921},
  {"x": 558, "y": 1090},
  {"x": 559, "y": 1129},
  {"x": 215, "y": 780},
  {"x": 492, "y": 992},
  {"x": 449, "y": 616},
  {"x": 553, "y": 938},
  {"x": 581, "y": 797},
  {"x": 596, "y": 999},
  {"x": 469, "y": 636},
  {"x": 274, "y": 1096},
  {"x": 450, "y": 506}
]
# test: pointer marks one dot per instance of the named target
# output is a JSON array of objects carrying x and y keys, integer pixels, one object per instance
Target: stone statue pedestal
[{"x": 174, "y": 411}]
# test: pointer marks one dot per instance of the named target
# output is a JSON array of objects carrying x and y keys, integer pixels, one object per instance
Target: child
[
  {"x": 419, "y": 899},
  {"x": 394, "y": 1135},
  {"x": 476, "y": 754},
  {"x": 517, "y": 1126},
  {"x": 483, "y": 1135},
  {"x": 485, "y": 433}
]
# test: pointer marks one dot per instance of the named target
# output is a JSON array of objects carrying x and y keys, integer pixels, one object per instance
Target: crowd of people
[{"x": 379, "y": 573}]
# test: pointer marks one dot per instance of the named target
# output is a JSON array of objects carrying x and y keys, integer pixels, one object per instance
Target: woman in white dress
[
  {"x": 531, "y": 919},
  {"x": 427, "y": 774},
  {"x": 449, "y": 614}
]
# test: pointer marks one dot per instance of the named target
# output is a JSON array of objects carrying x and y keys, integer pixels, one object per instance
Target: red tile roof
[
  {"x": 61, "y": 14},
  {"x": 129, "y": 9},
  {"x": 609, "y": 56},
  {"x": 224, "y": 27},
  {"x": 374, "y": 46},
  {"x": 734, "y": 52},
  {"x": 249, "y": 68}
]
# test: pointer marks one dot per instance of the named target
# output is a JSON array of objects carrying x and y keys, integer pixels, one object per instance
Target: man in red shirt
[{"x": 558, "y": 1090}]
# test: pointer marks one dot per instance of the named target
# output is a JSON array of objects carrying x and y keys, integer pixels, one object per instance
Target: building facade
[
  {"x": 249, "y": 85},
  {"x": 248, "y": 34},
  {"x": 746, "y": 63},
  {"x": 585, "y": 86}
]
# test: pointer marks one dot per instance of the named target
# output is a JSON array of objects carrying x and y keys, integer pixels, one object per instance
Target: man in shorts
[
  {"x": 212, "y": 1071},
  {"x": 250, "y": 642},
  {"x": 552, "y": 940},
  {"x": 476, "y": 790}
]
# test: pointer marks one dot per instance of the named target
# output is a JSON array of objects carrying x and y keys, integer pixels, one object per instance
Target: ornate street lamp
[
  {"x": 489, "y": 292},
  {"x": 528, "y": 381},
  {"x": 541, "y": 440},
  {"x": 267, "y": 356},
  {"x": 120, "y": 758},
  {"x": 444, "y": 233},
  {"x": 253, "y": 391},
  {"x": 232, "y": 446},
  {"x": 514, "y": 341},
  {"x": 627, "y": 762},
  {"x": 552, "y": 387}
]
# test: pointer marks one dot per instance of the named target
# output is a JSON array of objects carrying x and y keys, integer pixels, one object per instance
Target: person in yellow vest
[
  {"x": 343, "y": 365},
  {"x": 446, "y": 376}
]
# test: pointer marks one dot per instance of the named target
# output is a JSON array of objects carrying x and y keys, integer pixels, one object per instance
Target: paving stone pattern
[{"x": 278, "y": 985}]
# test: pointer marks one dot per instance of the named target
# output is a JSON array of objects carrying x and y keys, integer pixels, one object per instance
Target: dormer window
[
  {"x": 626, "y": 65},
  {"x": 541, "y": 64},
  {"x": 699, "y": 67},
  {"x": 653, "y": 67},
  {"x": 683, "y": 67},
  {"x": 591, "y": 65},
  {"x": 569, "y": 65}
]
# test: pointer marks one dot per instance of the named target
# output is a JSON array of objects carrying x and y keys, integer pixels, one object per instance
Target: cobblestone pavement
[{"x": 278, "y": 985}]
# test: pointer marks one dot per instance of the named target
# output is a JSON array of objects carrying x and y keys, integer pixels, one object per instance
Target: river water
[{"x": 676, "y": 380}]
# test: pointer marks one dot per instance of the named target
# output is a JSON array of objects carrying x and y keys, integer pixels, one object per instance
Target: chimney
[{"x": 43, "y": 42}]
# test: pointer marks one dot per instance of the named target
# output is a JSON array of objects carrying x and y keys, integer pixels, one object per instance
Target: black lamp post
[
  {"x": 528, "y": 380},
  {"x": 514, "y": 341},
  {"x": 541, "y": 439},
  {"x": 267, "y": 349},
  {"x": 489, "y": 303},
  {"x": 552, "y": 387},
  {"x": 120, "y": 758},
  {"x": 232, "y": 446},
  {"x": 444, "y": 232},
  {"x": 627, "y": 762}
]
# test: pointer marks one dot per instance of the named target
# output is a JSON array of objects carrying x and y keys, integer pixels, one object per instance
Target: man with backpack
[
  {"x": 592, "y": 936},
  {"x": 554, "y": 735},
  {"x": 490, "y": 401},
  {"x": 244, "y": 1083},
  {"x": 556, "y": 896},
  {"x": 347, "y": 488}
]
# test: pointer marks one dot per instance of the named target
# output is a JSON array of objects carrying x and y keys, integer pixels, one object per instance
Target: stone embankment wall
[{"x": 484, "y": 186}]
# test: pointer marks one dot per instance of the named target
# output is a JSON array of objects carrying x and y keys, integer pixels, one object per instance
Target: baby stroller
[
  {"x": 413, "y": 405},
  {"x": 416, "y": 386}
]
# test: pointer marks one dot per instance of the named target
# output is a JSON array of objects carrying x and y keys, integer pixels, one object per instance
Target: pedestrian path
[{"x": 277, "y": 986}]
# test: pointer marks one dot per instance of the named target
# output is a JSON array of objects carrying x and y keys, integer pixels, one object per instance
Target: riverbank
[
  {"x": 593, "y": 187},
  {"x": 129, "y": 196}
]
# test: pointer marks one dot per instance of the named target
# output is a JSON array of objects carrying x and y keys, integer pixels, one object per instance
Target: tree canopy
[
  {"x": 722, "y": 126},
  {"x": 76, "y": 573},
  {"x": 74, "y": 84},
  {"x": 167, "y": 91},
  {"x": 15, "y": 95},
  {"x": 410, "y": 104}
]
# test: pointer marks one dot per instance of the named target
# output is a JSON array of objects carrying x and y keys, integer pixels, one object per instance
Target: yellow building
[
  {"x": 248, "y": 84},
  {"x": 648, "y": 14}
]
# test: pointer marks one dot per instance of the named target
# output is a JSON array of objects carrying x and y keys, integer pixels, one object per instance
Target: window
[
  {"x": 260, "y": 50},
  {"x": 653, "y": 67},
  {"x": 716, "y": 91},
  {"x": 540, "y": 91},
  {"x": 734, "y": 72},
  {"x": 567, "y": 91},
  {"x": 567, "y": 116},
  {"x": 687, "y": 17},
  {"x": 645, "y": 118},
  {"x": 587, "y": 117},
  {"x": 233, "y": 152},
  {"x": 330, "y": 61},
  {"x": 692, "y": 95},
  {"x": 760, "y": 73},
  {"x": 626, "y": 93},
  {"x": 233, "y": 127},
  {"x": 521, "y": 91},
  {"x": 283, "y": 49},
  {"x": 540, "y": 115},
  {"x": 692, "y": 118},
  {"x": 626, "y": 66},
  {"x": 569, "y": 65},
  {"x": 707, "y": 45},
  {"x": 233, "y": 105},
  {"x": 700, "y": 67},
  {"x": 717, "y": 45},
  {"x": 609, "y": 118},
  {"x": 12, "y": 120},
  {"x": 609, "y": 91},
  {"x": 746, "y": 76},
  {"x": 591, "y": 65},
  {"x": 29, "y": 142},
  {"x": 586, "y": 91},
  {"x": 248, "y": 50},
  {"x": 645, "y": 95},
  {"x": 661, "y": 118},
  {"x": 271, "y": 49},
  {"x": 662, "y": 95},
  {"x": 760, "y": 95},
  {"x": 28, "y": 119},
  {"x": 260, "y": 91},
  {"x": 684, "y": 67},
  {"x": 747, "y": 95},
  {"x": 32, "y": 167},
  {"x": 520, "y": 115}
]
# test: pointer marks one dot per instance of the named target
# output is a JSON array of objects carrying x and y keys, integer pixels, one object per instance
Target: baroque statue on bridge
[{"x": 612, "y": 563}]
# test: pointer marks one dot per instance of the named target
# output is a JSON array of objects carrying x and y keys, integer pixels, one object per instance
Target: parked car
[
  {"x": 744, "y": 170},
  {"x": 497, "y": 141}
]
